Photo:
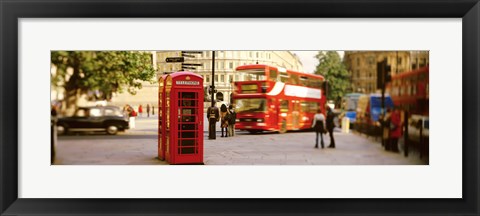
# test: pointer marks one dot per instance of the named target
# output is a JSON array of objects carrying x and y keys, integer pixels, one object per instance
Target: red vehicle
[
  {"x": 275, "y": 99},
  {"x": 409, "y": 91}
]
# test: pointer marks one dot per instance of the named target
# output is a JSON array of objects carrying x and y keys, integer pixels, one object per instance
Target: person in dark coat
[
  {"x": 148, "y": 110},
  {"x": 231, "y": 121},
  {"x": 330, "y": 126},
  {"x": 318, "y": 126},
  {"x": 213, "y": 116}
]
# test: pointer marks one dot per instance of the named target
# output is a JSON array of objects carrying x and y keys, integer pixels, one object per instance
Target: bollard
[
  {"x": 421, "y": 139},
  {"x": 131, "y": 122},
  {"x": 345, "y": 125},
  {"x": 405, "y": 135},
  {"x": 53, "y": 139}
]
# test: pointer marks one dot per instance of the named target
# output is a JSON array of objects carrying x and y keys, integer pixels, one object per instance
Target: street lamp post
[
  {"x": 212, "y": 112},
  {"x": 213, "y": 78}
]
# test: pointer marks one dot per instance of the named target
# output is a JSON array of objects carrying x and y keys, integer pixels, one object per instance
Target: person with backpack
[
  {"x": 224, "y": 122},
  {"x": 231, "y": 120}
]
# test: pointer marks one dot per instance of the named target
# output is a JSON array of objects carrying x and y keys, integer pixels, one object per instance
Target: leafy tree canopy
[
  {"x": 101, "y": 72},
  {"x": 335, "y": 72}
]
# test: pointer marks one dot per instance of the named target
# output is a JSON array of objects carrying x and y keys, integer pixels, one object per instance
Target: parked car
[
  {"x": 415, "y": 122},
  {"x": 110, "y": 119}
]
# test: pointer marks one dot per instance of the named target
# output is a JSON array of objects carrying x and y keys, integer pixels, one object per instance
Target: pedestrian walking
[
  {"x": 140, "y": 110},
  {"x": 224, "y": 120},
  {"x": 330, "y": 126},
  {"x": 213, "y": 116},
  {"x": 318, "y": 126},
  {"x": 153, "y": 110},
  {"x": 148, "y": 110},
  {"x": 231, "y": 121},
  {"x": 395, "y": 129},
  {"x": 386, "y": 130}
]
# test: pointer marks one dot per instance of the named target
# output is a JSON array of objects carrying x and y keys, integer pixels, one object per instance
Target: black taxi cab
[{"x": 110, "y": 119}]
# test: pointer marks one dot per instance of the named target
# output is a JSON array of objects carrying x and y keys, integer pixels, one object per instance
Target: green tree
[
  {"x": 99, "y": 74},
  {"x": 335, "y": 72}
]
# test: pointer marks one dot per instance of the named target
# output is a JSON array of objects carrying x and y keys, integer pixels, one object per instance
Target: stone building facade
[
  {"x": 362, "y": 66},
  {"x": 225, "y": 64}
]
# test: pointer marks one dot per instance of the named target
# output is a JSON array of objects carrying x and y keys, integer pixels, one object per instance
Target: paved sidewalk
[
  {"x": 139, "y": 147},
  {"x": 297, "y": 148}
]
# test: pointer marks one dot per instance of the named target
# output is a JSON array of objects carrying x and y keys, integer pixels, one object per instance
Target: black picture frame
[{"x": 11, "y": 11}]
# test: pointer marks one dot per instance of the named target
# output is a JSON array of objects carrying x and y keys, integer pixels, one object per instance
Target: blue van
[{"x": 369, "y": 108}]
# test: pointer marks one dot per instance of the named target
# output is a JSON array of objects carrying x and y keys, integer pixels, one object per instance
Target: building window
[
  {"x": 230, "y": 65},
  {"x": 358, "y": 61},
  {"x": 222, "y": 78},
  {"x": 207, "y": 78},
  {"x": 216, "y": 78},
  {"x": 423, "y": 62},
  {"x": 230, "y": 79},
  {"x": 399, "y": 60}
]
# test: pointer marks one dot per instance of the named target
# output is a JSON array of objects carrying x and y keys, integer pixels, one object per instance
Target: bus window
[
  {"x": 294, "y": 79},
  {"x": 313, "y": 107},
  {"x": 273, "y": 75},
  {"x": 284, "y": 77},
  {"x": 304, "y": 106}
]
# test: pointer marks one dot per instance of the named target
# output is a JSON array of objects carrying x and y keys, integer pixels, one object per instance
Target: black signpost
[{"x": 185, "y": 54}]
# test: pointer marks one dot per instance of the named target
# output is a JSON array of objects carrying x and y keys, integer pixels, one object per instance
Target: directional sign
[
  {"x": 190, "y": 64},
  {"x": 191, "y": 68},
  {"x": 174, "y": 59},
  {"x": 188, "y": 56},
  {"x": 193, "y": 52}
]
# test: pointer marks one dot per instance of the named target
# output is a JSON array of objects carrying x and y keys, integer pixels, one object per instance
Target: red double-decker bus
[
  {"x": 409, "y": 91},
  {"x": 276, "y": 99}
]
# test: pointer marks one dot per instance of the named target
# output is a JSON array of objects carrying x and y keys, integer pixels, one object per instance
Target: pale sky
[{"x": 308, "y": 59}]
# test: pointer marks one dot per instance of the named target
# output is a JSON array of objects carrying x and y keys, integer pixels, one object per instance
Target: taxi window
[
  {"x": 95, "y": 112},
  {"x": 112, "y": 112},
  {"x": 80, "y": 113}
]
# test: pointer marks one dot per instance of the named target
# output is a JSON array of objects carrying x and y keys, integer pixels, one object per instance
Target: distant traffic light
[
  {"x": 388, "y": 73},
  {"x": 383, "y": 73}
]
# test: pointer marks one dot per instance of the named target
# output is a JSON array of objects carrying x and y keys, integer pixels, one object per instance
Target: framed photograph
[{"x": 288, "y": 73}]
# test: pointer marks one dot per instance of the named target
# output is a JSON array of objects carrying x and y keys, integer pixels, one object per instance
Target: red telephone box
[
  {"x": 161, "y": 117},
  {"x": 184, "y": 118}
]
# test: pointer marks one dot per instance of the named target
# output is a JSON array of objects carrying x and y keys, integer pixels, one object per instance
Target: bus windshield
[
  {"x": 351, "y": 104},
  {"x": 250, "y": 105}
]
